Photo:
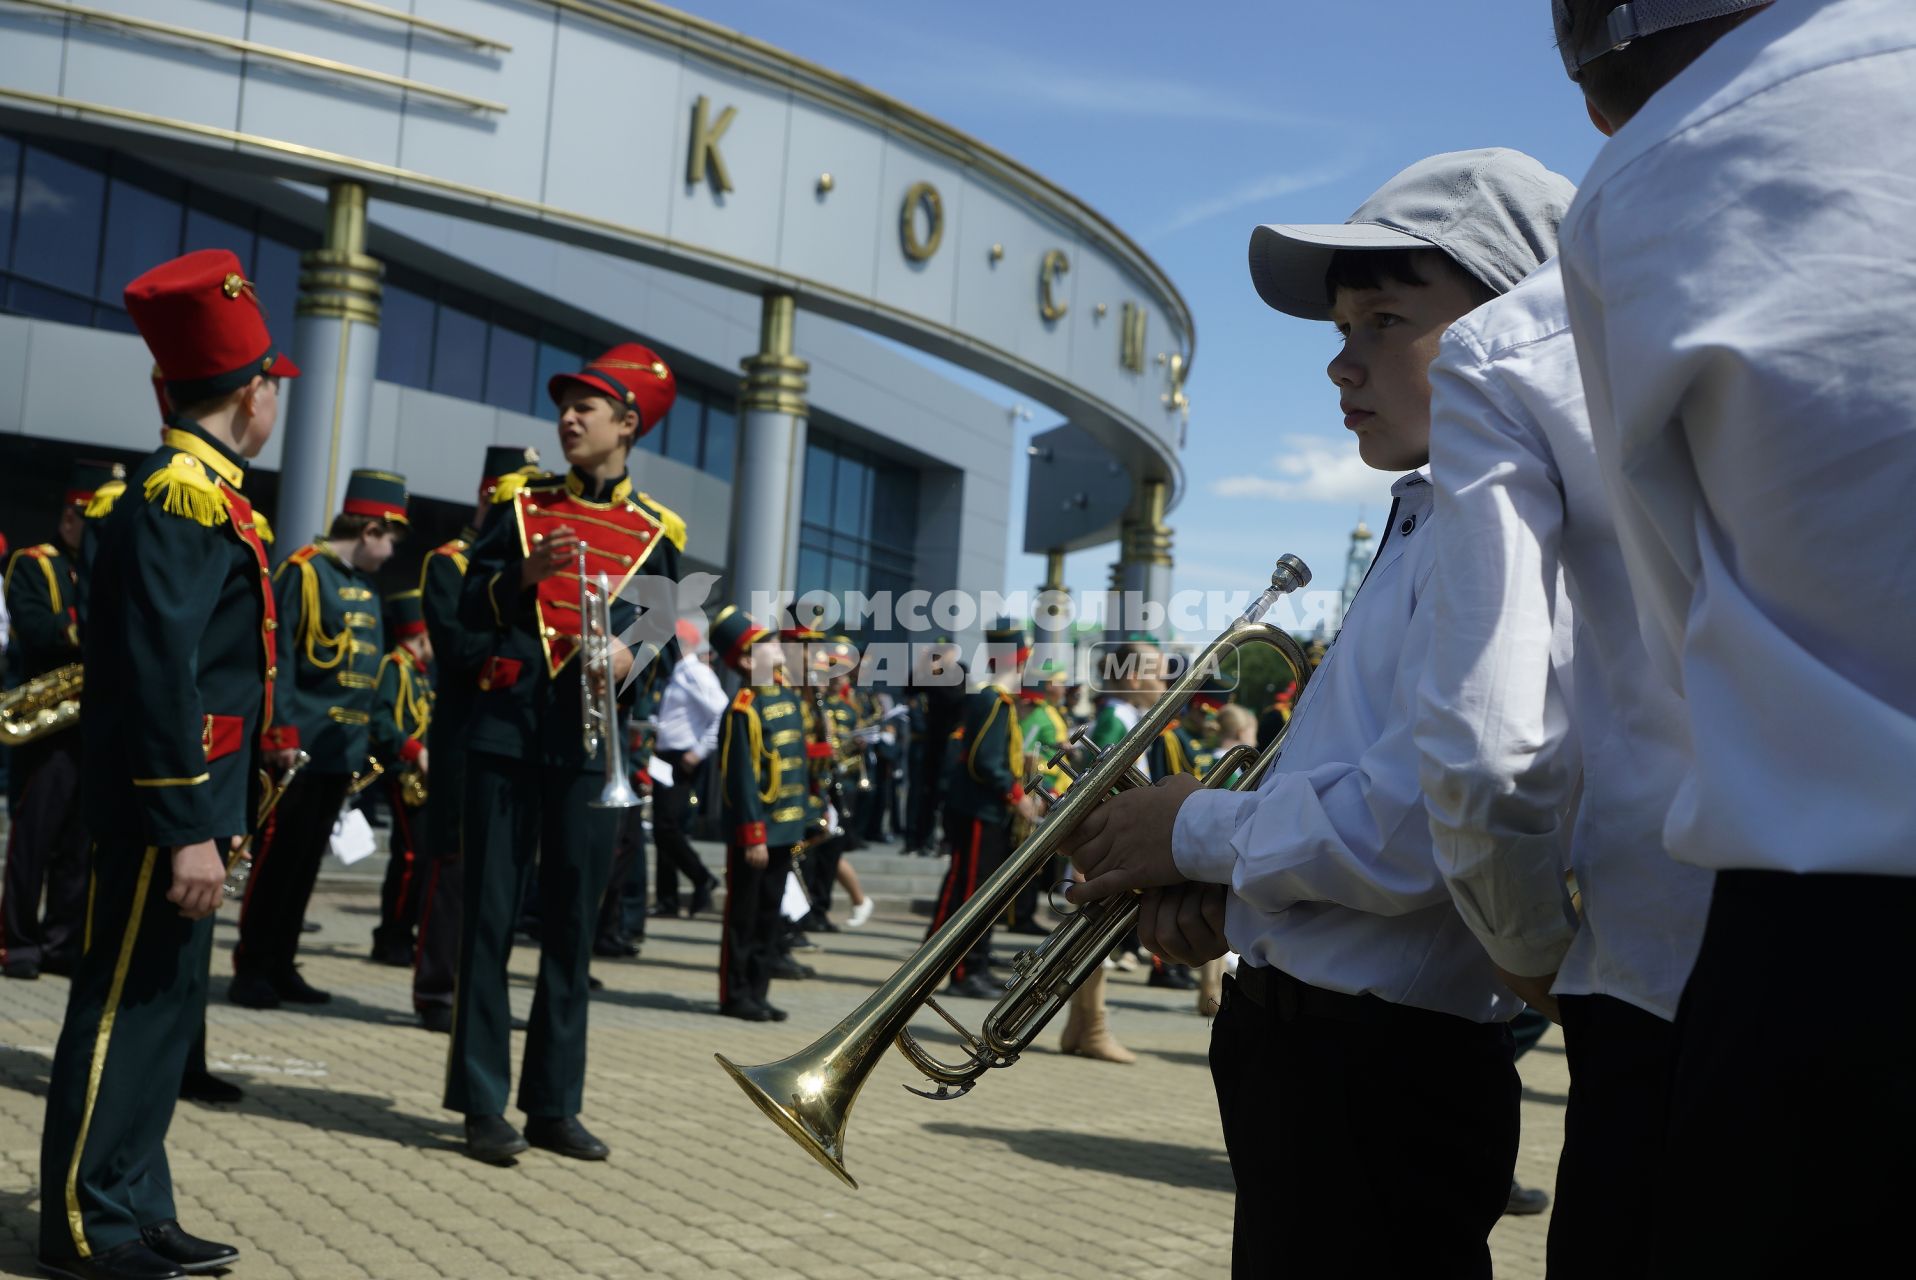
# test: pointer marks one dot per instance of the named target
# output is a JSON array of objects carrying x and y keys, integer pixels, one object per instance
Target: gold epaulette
[
  {"x": 673, "y": 522},
  {"x": 103, "y": 499},
  {"x": 183, "y": 488},
  {"x": 264, "y": 530},
  {"x": 510, "y": 485}
]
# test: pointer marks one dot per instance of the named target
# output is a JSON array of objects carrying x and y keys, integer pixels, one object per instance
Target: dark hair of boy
[
  {"x": 1621, "y": 81},
  {"x": 1376, "y": 268},
  {"x": 347, "y": 527}
]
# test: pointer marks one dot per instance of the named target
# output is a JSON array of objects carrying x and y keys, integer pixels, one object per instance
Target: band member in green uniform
[
  {"x": 402, "y": 716},
  {"x": 47, "y": 841},
  {"x": 1042, "y": 725},
  {"x": 984, "y": 794},
  {"x": 766, "y": 807},
  {"x": 179, "y": 658},
  {"x": 834, "y": 662},
  {"x": 530, "y": 780},
  {"x": 330, "y": 644},
  {"x": 457, "y": 653}
]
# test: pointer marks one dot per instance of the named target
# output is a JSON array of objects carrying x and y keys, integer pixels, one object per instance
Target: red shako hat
[
  {"x": 633, "y": 376},
  {"x": 202, "y": 321}
]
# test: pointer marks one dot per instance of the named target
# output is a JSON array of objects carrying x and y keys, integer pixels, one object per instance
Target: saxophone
[{"x": 43, "y": 705}]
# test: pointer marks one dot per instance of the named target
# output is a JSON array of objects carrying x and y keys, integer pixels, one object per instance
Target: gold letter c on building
[
  {"x": 921, "y": 193},
  {"x": 1054, "y": 265}
]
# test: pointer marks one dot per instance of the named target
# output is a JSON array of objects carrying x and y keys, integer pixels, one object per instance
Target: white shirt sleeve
[
  {"x": 1350, "y": 832},
  {"x": 712, "y": 700},
  {"x": 1498, "y": 762}
]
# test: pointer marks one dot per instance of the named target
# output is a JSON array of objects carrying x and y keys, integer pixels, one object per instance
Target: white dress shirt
[
  {"x": 690, "y": 708},
  {"x": 1741, "y": 272},
  {"x": 1329, "y": 861},
  {"x": 1527, "y": 558}
]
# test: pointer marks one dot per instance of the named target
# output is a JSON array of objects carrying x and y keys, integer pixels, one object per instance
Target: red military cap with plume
[
  {"x": 202, "y": 321},
  {"x": 632, "y": 376}
]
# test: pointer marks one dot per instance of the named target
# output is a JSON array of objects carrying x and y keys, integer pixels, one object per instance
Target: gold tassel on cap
[{"x": 182, "y": 488}]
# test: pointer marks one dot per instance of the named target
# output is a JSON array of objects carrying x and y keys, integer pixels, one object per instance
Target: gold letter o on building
[{"x": 926, "y": 194}]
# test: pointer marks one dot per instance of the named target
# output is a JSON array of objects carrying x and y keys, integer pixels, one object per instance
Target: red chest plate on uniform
[{"x": 619, "y": 537}]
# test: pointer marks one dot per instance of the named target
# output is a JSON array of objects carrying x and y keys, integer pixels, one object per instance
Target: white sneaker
[{"x": 862, "y": 912}]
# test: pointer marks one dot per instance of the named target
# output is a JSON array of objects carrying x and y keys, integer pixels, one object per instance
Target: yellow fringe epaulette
[
  {"x": 513, "y": 481},
  {"x": 182, "y": 488},
  {"x": 264, "y": 530},
  {"x": 673, "y": 522},
  {"x": 103, "y": 499}
]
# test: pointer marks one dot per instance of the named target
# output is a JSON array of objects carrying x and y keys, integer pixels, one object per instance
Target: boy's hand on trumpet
[{"x": 1125, "y": 843}]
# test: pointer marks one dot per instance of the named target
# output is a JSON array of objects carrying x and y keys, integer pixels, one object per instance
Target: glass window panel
[
  {"x": 653, "y": 441},
  {"x": 721, "y": 439},
  {"x": 458, "y": 353},
  {"x": 405, "y": 338},
  {"x": 895, "y": 507},
  {"x": 142, "y": 231},
  {"x": 49, "y": 304},
  {"x": 556, "y": 356},
  {"x": 215, "y": 223},
  {"x": 9, "y": 189},
  {"x": 845, "y": 575},
  {"x": 105, "y": 317},
  {"x": 276, "y": 279},
  {"x": 851, "y": 494},
  {"x": 817, "y": 506},
  {"x": 510, "y": 363},
  {"x": 61, "y": 204},
  {"x": 682, "y": 427},
  {"x": 811, "y": 569}
]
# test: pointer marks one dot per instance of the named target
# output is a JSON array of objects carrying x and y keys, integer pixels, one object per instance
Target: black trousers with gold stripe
[{"x": 137, "y": 1001}]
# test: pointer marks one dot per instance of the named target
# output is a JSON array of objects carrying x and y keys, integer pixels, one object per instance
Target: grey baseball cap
[{"x": 1494, "y": 211}]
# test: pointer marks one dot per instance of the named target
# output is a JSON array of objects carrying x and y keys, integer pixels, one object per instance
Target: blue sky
[{"x": 1186, "y": 124}]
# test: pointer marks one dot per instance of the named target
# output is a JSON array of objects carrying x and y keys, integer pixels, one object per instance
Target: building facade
[{"x": 436, "y": 226}]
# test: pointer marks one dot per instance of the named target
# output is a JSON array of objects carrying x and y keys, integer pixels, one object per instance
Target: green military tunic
[
  {"x": 766, "y": 798},
  {"x": 179, "y": 654},
  {"x": 330, "y": 645},
  {"x": 457, "y": 653},
  {"x": 43, "y": 604}
]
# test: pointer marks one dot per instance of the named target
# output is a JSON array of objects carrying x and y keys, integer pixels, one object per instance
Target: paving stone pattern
[{"x": 340, "y": 1164}]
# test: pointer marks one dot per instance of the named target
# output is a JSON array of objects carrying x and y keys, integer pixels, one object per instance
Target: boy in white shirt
[
  {"x": 1361, "y": 1059},
  {"x": 1738, "y": 269}
]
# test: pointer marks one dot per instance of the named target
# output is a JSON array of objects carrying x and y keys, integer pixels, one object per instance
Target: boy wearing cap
[
  {"x": 983, "y": 793},
  {"x": 457, "y": 652},
  {"x": 47, "y": 843},
  {"x": 402, "y": 717},
  {"x": 1736, "y": 268},
  {"x": 529, "y": 781},
  {"x": 330, "y": 644},
  {"x": 766, "y": 807},
  {"x": 1363, "y": 1068},
  {"x": 179, "y": 647}
]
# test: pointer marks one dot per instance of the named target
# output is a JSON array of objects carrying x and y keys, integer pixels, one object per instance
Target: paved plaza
[{"x": 340, "y": 1164}]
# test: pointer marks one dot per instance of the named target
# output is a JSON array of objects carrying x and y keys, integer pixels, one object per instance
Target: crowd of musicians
[{"x": 1543, "y": 764}]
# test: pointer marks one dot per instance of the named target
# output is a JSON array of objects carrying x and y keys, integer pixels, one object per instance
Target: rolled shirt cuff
[
  {"x": 1510, "y": 890},
  {"x": 1201, "y": 839}
]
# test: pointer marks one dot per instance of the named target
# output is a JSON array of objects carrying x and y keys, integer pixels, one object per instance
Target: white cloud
[
  {"x": 1269, "y": 187},
  {"x": 1310, "y": 470}
]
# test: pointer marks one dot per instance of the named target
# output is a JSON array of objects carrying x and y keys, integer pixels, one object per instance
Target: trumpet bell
[
  {"x": 801, "y": 1099},
  {"x": 617, "y": 794}
]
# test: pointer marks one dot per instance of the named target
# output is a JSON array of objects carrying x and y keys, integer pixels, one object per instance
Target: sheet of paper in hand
[{"x": 352, "y": 837}]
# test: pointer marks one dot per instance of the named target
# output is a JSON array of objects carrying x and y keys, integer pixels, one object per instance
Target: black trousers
[
  {"x": 1621, "y": 1063},
  {"x": 285, "y": 867},
  {"x": 978, "y": 849},
  {"x": 749, "y": 941},
  {"x": 514, "y": 813},
  {"x": 46, "y": 850},
  {"x": 402, "y": 894},
  {"x": 622, "y": 906},
  {"x": 881, "y": 808},
  {"x": 135, "y": 1008},
  {"x": 923, "y": 803},
  {"x": 1791, "y": 1148},
  {"x": 671, "y": 815},
  {"x": 819, "y": 870},
  {"x": 1367, "y": 1139},
  {"x": 436, "y": 954}
]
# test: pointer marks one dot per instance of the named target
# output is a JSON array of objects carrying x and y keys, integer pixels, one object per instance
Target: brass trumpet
[
  {"x": 810, "y": 1094},
  {"x": 240, "y": 865},
  {"x": 43, "y": 705}
]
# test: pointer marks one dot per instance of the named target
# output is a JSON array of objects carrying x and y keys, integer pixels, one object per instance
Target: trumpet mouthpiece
[{"x": 1290, "y": 574}]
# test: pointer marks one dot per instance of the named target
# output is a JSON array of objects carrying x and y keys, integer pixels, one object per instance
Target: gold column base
[{"x": 774, "y": 377}]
